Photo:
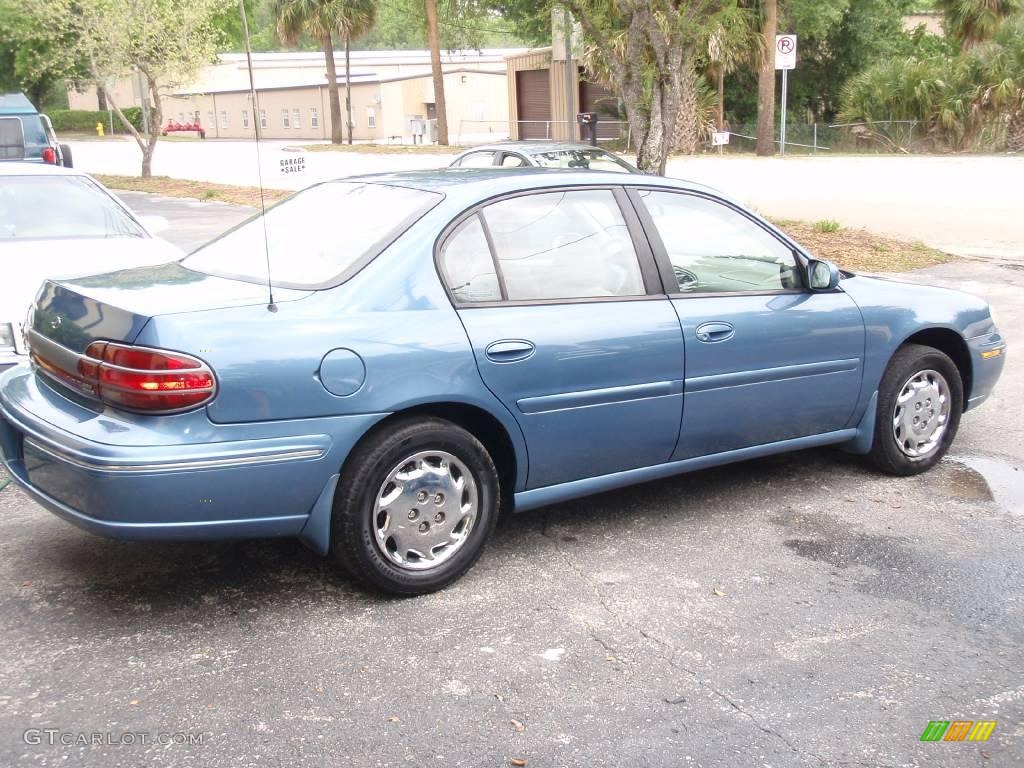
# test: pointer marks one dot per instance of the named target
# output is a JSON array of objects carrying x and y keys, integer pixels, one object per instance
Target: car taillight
[
  {"x": 135, "y": 378},
  {"x": 49, "y": 156}
]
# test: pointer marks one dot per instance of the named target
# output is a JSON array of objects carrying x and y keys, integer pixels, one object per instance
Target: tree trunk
[
  {"x": 720, "y": 121},
  {"x": 686, "y": 133},
  {"x": 1015, "y": 132},
  {"x": 101, "y": 100},
  {"x": 141, "y": 139},
  {"x": 348, "y": 89},
  {"x": 156, "y": 121},
  {"x": 332, "y": 89},
  {"x": 657, "y": 143},
  {"x": 440, "y": 107},
  {"x": 766, "y": 82}
]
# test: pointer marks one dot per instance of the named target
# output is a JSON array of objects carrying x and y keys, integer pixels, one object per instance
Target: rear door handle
[
  {"x": 715, "y": 331},
  {"x": 509, "y": 350}
]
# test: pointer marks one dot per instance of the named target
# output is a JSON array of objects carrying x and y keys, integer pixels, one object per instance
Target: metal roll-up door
[
  {"x": 597, "y": 98},
  {"x": 533, "y": 100}
]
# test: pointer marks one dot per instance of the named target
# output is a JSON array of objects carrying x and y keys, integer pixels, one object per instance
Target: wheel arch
[
  {"x": 479, "y": 422},
  {"x": 952, "y": 344}
]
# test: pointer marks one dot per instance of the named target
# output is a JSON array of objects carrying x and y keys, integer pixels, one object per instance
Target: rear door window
[
  {"x": 12, "y": 139},
  {"x": 563, "y": 245}
]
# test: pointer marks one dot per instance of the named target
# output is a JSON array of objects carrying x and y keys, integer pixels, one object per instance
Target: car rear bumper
[{"x": 255, "y": 481}]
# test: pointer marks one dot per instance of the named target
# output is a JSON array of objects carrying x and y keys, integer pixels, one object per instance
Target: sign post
[{"x": 785, "y": 59}]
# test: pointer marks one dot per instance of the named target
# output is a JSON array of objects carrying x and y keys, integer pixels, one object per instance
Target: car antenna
[{"x": 272, "y": 307}]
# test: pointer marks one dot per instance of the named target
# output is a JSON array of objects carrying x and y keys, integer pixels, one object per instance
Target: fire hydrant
[{"x": 99, "y": 129}]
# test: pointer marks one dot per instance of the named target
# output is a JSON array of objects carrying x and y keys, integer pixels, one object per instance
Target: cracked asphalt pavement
[{"x": 799, "y": 610}]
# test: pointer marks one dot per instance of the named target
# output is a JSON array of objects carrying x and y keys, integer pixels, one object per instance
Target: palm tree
[
  {"x": 1001, "y": 93},
  {"x": 733, "y": 41},
  {"x": 974, "y": 21},
  {"x": 322, "y": 20}
]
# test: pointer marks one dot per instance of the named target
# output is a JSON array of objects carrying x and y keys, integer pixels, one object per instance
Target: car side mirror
[{"x": 822, "y": 275}]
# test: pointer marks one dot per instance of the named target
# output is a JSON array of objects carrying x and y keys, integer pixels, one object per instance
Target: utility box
[
  {"x": 417, "y": 127},
  {"x": 431, "y": 132}
]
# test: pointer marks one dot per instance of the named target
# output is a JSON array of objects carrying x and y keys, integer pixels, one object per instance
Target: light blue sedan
[{"x": 406, "y": 355}]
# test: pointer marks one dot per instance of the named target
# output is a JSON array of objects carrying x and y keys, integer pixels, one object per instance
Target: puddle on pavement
[{"x": 982, "y": 478}]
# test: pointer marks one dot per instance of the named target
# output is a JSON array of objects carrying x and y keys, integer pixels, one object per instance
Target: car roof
[
  {"x": 17, "y": 168},
  {"x": 469, "y": 185},
  {"x": 533, "y": 147},
  {"x": 16, "y": 104}
]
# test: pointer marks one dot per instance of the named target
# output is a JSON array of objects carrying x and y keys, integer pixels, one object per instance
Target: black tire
[
  {"x": 353, "y": 539},
  {"x": 65, "y": 153},
  {"x": 886, "y": 453}
]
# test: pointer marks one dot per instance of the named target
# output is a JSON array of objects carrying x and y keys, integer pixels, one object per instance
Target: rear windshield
[
  {"x": 314, "y": 237},
  {"x": 58, "y": 207},
  {"x": 12, "y": 140}
]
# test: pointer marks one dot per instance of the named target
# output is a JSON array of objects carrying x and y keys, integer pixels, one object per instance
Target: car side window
[
  {"x": 563, "y": 245},
  {"x": 714, "y": 249},
  {"x": 477, "y": 160},
  {"x": 467, "y": 264},
  {"x": 512, "y": 161}
]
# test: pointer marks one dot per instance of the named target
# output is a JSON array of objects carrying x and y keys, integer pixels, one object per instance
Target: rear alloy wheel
[
  {"x": 415, "y": 506},
  {"x": 919, "y": 405}
]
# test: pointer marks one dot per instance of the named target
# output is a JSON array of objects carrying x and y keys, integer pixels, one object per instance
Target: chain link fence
[{"x": 884, "y": 137}]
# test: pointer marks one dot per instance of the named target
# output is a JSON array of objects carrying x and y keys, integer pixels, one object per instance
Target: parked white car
[{"x": 60, "y": 223}]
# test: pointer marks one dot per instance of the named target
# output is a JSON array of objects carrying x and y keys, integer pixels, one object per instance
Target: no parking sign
[{"x": 785, "y": 51}]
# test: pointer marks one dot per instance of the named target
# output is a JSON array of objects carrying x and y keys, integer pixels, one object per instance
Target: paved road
[
  {"x": 190, "y": 222},
  {"x": 794, "y": 611},
  {"x": 965, "y": 204}
]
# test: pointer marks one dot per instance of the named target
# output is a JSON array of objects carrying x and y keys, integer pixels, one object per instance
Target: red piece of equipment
[{"x": 173, "y": 126}]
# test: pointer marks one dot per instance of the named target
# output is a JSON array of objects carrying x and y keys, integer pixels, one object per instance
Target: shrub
[
  {"x": 827, "y": 226},
  {"x": 84, "y": 120}
]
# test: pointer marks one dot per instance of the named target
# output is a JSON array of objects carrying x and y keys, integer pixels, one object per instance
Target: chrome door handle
[
  {"x": 509, "y": 350},
  {"x": 715, "y": 331}
]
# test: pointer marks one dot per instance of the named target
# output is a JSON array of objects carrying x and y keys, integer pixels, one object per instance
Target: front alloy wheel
[
  {"x": 921, "y": 414},
  {"x": 920, "y": 399}
]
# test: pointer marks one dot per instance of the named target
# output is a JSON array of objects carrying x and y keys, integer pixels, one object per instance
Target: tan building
[
  {"x": 537, "y": 100},
  {"x": 390, "y": 89},
  {"x": 382, "y": 109}
]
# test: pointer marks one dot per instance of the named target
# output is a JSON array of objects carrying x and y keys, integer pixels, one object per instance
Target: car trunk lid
[{"x": 117, "y": 305}]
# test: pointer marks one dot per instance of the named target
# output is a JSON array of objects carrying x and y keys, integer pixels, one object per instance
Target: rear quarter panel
[{"x": 394, "y": 314}]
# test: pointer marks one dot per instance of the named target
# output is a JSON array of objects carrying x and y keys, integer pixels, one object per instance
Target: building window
[
  {"x": 181, "y": 117},
  {"x": 284, "y": 118},
  {"x": 209, "y": 119},
  {"x": 263, "y": 118},
  {"x": 314, "y": 118},
  {"x": 245, "y": 118},
  {"x": 371, "y": 117},
  {"x": 223, "y": 118},
  {"x": 296, "y": 119}
]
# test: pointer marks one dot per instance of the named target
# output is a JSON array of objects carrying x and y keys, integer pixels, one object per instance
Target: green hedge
[{"x": 84, "y": 120}]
